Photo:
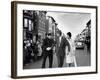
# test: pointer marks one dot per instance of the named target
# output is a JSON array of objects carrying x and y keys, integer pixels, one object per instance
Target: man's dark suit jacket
[
  {"x": 47, "y": 43},
  {"x": 61, "y": 48}
]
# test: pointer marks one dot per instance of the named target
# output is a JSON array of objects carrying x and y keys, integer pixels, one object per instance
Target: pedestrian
[
  {"x": 34, "y": 47},
  {"x": 28, "y": 51},
  {"x": 47, "y": 46},
  {"x": 70, "y": 55},
  {"x": 61, "y": 44},
  {"x": 24, "y": 52},
  {"x": 39, "y": 44}
]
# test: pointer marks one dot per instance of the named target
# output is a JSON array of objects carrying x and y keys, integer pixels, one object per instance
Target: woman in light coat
[{"x": 70, "y": 55}]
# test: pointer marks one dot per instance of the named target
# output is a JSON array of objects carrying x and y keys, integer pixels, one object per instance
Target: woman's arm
[{"x": 66, "y": 50}]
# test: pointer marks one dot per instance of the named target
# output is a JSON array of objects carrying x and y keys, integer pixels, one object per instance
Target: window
[
  {"x": 24, "y": 34},
  {"x": 30, "y": 25},
  {"x": 25, "y": 22}
]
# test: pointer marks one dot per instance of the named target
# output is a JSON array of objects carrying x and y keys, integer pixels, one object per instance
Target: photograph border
[{"x": 14, "y": 37}]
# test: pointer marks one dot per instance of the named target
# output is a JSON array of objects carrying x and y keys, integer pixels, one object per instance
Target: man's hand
[{"x": 48, "y": 48}]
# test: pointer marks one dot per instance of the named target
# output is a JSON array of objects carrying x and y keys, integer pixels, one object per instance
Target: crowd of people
[
  {"x": 64, "y": 48},
  {"x": 32, "y": 50}
]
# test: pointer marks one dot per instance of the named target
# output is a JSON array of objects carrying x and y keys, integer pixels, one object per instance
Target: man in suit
[{"x": 61, "y": 45}]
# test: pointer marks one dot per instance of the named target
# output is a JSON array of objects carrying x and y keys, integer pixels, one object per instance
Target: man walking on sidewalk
[
  {"x": 61, "y": 45},
  {"x": 48, "y": 44}
]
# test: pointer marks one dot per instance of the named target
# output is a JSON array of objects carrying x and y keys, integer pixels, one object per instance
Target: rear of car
[{"x": 79, "y": 45}]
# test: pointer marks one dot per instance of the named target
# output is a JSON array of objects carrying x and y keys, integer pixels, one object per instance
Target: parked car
[{"x": 79, "y": 45}]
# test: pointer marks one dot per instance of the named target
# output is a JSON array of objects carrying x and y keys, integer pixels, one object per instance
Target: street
[{"x": 83, "y": 58}]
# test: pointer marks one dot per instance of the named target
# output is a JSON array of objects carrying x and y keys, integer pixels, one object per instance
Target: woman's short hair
[{"x": 69, "y": 34}]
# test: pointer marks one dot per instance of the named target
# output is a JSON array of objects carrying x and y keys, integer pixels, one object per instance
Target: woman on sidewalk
[{"x": 70, "y": 55}]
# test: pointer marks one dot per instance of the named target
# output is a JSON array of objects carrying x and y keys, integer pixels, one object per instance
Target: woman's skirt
[{"x": 71, "y": 59}]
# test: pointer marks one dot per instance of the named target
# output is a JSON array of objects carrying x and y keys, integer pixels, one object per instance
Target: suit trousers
[
  {"x": 45, "y": 56},
  {"x": 60, "y": 60}
]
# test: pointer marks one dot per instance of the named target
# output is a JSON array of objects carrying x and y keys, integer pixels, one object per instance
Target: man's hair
[
  {"x": 69, "y": 33},
  {"x": 49, "y": 34}
]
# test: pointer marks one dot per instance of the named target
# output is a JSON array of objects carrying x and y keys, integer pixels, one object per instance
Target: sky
[{"x": 70, "y": 22}]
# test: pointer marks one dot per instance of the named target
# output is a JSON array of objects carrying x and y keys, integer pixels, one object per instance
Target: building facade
[
  {"x": 41, "y": 23},
  {"x": 34, "y": 24},
  {"x": 51, "y": 26},
  {"x": 85, "y": 34}
]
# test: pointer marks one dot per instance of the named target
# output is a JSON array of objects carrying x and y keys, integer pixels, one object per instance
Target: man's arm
[{"x": 67, "y": 44}]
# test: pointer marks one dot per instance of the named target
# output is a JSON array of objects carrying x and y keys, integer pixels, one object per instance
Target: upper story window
[
  {"x": 30, "y": 25},
  {"x": 25, "y": 22}
]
